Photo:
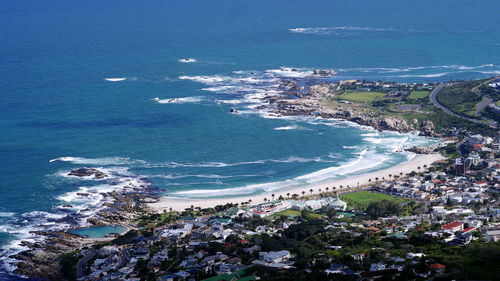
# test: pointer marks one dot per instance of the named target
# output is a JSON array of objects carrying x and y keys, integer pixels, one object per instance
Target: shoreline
[{"x": 179, "y": 204}]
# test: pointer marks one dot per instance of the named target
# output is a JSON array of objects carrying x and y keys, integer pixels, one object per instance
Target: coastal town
[
  {"x": 418, "y": 226},
  {"x": 439, "y": 221}
]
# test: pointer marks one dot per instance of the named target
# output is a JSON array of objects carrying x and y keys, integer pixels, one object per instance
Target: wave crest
[{"x": 179, "y": 100}]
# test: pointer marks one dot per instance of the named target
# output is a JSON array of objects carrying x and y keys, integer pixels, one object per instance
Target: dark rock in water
[
  {"x": 324, "y": 72},
  {"x": 86, "y": 172},
  {"x": 233, "y": 110}
]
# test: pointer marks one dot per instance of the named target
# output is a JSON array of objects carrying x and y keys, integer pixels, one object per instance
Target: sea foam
[
  {"x": 118, "y": 79},
  {"x": 195, "y": 99}
]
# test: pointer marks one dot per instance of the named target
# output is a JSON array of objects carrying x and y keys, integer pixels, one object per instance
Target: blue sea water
[{"x": 56, "y": 103}]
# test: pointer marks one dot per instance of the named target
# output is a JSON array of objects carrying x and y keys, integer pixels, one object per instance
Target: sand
[{"x": 419, "y": 160}]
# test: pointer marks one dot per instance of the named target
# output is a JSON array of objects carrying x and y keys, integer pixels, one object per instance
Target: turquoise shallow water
[
  {"x": 99, "y": 231},
  {"x": 57, "y": 104}
]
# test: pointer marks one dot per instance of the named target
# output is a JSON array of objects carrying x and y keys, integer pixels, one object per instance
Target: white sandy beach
[{"x": 406, "y": 167}]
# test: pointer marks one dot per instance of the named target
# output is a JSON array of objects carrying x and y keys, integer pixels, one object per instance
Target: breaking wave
[
  {"x": 105, "y": 161},
  {"x": 336, "y": 29},
  {"x": 179, "y": 100},
  {"x": 117, "y": 79},
  {"x": 187, "y": 60}
]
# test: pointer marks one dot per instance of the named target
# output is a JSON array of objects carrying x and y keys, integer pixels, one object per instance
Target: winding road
[
  {"x": 433, "y": 99},
  {"x": 81, "y": 266}
]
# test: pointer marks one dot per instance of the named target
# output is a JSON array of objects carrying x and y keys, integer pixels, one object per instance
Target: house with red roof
[
  {"x": 469, "y": 229},
  {"x": 437, "y": 267},
  {"x": 454, "y": 226}
]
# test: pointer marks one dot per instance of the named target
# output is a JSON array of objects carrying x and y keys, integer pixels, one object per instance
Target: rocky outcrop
[
  {"x": 394, "y": 124},
  {"x": 42, "y": 260},
  {"x": 427, "y": 128},
  {"x": 324, "y": 72},
  {"x": 420, "y": 149},
  {"x": 87, "y": 172},
  {"x": 322, "y": 89}
]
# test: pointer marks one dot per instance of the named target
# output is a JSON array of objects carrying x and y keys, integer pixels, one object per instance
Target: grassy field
[
  {"x": 288, "y": 212},
  {"x": 294, "y": 213},
  {"x": 364, "y": 97},
  {"x": 418, "y": 95},
  {"x": 363, "y": 198}
]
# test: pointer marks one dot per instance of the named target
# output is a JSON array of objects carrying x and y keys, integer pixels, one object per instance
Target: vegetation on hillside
[{"x": 460, "y": 98}]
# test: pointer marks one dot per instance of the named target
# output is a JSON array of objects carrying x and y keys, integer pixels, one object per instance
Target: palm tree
[
  {"x": 303, "y": 193},
  {"x": 418, "y": 168},
  {"x": 311, "y": 190},
  {"x": 272, "y": 195},
  {"x": 249, "y": 201},
  {"x": 288, "y": 195},
  {"x": 376, "y": 179},
  {"x": 401, "y": 174},
  {"x": 390, "y": 176},
  {"x": 327, "y": 188},
  {"x": 265, "y": 199},
  {"x": 425, "y": 166},
  {"x": 319, "y": 191}
]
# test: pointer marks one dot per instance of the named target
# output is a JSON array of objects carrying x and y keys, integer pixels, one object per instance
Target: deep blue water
[{"x": 55, "y": 56}]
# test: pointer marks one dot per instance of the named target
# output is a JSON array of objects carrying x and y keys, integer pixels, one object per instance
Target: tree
[
  {"x": 311, "y": 190},
  {"x": 382, "y": 208},
  {"x": 303, "y": 193},
  {"x": 448, "y": 202},
  {"x": 288, "y": 195},
  {"x": 265, "y": 199},
  {"x": 272, "y": 195}
]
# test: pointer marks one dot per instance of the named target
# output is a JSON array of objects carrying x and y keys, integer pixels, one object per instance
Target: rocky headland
[
  {"x": 42, "y": 258},
  {"x": 318, "y": 101}
]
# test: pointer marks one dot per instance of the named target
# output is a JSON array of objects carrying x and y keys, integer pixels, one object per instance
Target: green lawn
[
  {"x": 364, "y": 97},
  {"x": 416, "y": 95},
  {"x": 288, "y": 212},
  {"x": 294, "y": 213},
  {"x": 363, "y": 198},
  {"x": 498, "y": 103}
]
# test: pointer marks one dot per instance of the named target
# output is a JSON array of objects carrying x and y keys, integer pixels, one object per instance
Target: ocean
[{"x": 143, "y": 90}]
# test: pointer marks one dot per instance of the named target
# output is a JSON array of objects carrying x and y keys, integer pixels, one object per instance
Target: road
[
  {"x": 434, "y": 101},
  {"x": 81, "y": 266}
]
